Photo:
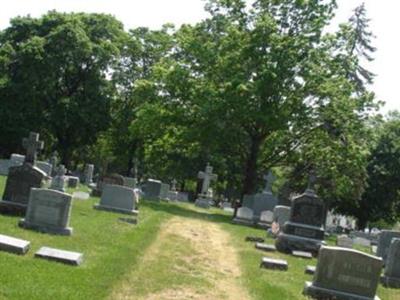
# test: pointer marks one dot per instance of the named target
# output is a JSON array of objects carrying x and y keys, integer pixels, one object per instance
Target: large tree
[{"x": 56, "y": 78}]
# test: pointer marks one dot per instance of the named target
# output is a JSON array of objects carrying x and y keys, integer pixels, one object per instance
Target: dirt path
[{"x": 190, "y": 259}]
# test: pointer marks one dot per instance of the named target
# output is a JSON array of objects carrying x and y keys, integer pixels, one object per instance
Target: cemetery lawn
[{"x": 176, "y": 251}]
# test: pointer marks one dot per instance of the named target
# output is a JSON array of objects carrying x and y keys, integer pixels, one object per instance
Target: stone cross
[
  {"x": 174, "y": 182},
  {"x": 207, "y": 177},
  {"x": 269, "y": 178},
  {"x": 32, "y": 145}
]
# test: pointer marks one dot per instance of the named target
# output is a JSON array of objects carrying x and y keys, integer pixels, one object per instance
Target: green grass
[{"x": 113, "y": 248}]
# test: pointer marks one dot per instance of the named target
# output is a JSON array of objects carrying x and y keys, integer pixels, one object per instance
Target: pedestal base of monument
[
  {"x": 390, "y": 282},
  {"x": 15, "y": 208},
  {"x": 326, "y": 294},
  {"x": 286, "y": 243},
  {"x": 118, "y": 210},
  {"x": 203, "y": 202},
  {"x": 46, "y": 229}
]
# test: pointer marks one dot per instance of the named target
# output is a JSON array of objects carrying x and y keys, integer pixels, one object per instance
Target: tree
[
  {"x": 56, "y": 69},
  {"x": 258, "y": 85}
]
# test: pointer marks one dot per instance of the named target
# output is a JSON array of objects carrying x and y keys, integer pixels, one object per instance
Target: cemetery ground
[{"x": 176, "y": 251}]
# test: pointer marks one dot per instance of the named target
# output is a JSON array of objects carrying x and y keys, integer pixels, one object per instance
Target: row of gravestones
[{"x": 49, "y": 210}]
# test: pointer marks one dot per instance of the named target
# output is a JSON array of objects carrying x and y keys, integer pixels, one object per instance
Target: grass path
[{"x": 190, "y": 259}]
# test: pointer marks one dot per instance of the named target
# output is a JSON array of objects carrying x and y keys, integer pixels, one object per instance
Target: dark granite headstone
[
  {"x": 344, "y": 274},
  {"x": 304, "y": 231},
  {"x": 385, "y": 239},
  {"x": 20, "y": 180},
  {"x": 391, "y": 277}
]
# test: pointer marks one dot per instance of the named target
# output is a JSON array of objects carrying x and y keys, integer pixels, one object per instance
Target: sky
[{"x": 155, "y": 13}]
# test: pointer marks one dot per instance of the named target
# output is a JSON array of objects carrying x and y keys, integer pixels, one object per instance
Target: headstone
[
  {"x": 164, "y": 191},
  {"x": 391, "y": 277},
  {"x": 244, "y": 216},
  {"x": 130, "y": 182},
  {"x": 385, "y": 239},
  {"x": 264, "y": 201},
  {"x": 17, "y": 159},
  {"x": 344, "y": 241},
  {"x": 5, "y": 165},
  {"x": 265, "y": 247},
  {"x": 183, "y": 197},
  {"x": 304, "y": 231},
  {"x": 67, "y": 257},
  {"x": 48, "y": 211},
  {"x": 45, "y": 167},
  {"x": 275, "y": 264},
  {"x": 114, "y": 179},
  {"x": 59, "y": 180},
  {"x": 344, "y": 274},
  {"x": 281, "y": 215},
  {"x": 362, "y": 242},
  {"x": 13, "y": 245},
  {"x": 32, "y": 145},
  {"x": 89, "y": 169},
  {"x": 310, "y": 270},
  {"x": 203, "y": 200},
  {"x": 21, "y": 179},
  {"x": 173, "y": 193},
  {"x": 153, "y": 189},
  {"x": 73, "y": 181},
  {"x": 302, "y": 254},
  {"x": 266, "y": 219},
  {"x": 118, "y": 199}
]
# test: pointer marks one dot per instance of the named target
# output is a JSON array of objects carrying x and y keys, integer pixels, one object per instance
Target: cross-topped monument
[
  {"x": 269, "y": 178},
  {"x": 59, "y": 181},
  {"x": 32, "y": 145},
  {"x": 207, "y": 177}
]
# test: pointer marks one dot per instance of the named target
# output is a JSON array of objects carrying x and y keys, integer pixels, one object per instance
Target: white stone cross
[
  {"x": 207, "y": 177},
  {"x": 32, "y": 144},
  {"x": 269, "y": 178}
]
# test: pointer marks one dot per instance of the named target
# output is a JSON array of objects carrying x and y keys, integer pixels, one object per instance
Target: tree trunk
[{"x": 250, "y": 178}]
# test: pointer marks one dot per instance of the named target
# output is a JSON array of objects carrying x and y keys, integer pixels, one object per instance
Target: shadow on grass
[{"x": 182, "y": 211}]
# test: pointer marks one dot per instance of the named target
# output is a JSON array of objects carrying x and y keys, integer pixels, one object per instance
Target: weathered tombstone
[
  {"x": 59, "y": 180},
  {"x": 118, "y": 199},
  {"x": 89, "y": 169},
  {"x": 5, "y": 165},
  {"x": 304, "y": 231},
  {"x": 164, "y": 191},
  {"x": 203, "y": 200},
  {"x": 344, "y": 241},
  {"x": 183, "y": 197},
  {"x": 266, "y": 219},
  {"x": 302, "y": 254},
  {"x": 173, "y": 193},
  {"x": 80, "y": 195},
  {"x": 274, "y": 264},
  {"x": 114, "y": 179},
  {"x": 262, "y": 201},
  {"x": 73, "y": 181},
  {"x": 391, "y": 277},
  {"x": 265, "y": 247},
  {"x": 244, "y": 215},
  {"x": 13, "y": 245},
  {"x": 281, "y": 215},
  {"x": 310, "y": 270},
  {"x": 45, "y": 167},
  {"x": 21, "y": 179},
  {"x": 385, "y": 239},
  {"x": 344, "y": 274},
  {"x": 48, "y": 211},
  {"x": 152, "y": 189},
  {"x": 362, "y": 242},
  {"x": 66, "y": 257},
  {"x": 17, "y": 159},
  {"x": 130, "y": 182}
]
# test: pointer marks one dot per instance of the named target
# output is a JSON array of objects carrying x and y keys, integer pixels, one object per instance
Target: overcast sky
[{"x": 153, "y": 13}]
